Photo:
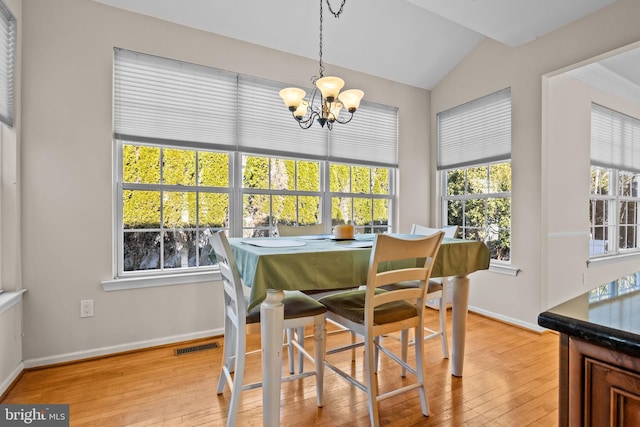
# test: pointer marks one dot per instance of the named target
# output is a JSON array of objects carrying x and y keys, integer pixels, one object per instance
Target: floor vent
[{"x": 202, "y": 347}]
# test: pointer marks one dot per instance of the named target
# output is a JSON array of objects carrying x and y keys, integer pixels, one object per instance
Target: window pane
[
  {"x": 256, "y": 209},
  {"x": 255, "y": 173},
  {"x": 500, "y": 178},
  {"x": 600, "y": 181},
  {"x": 339, "y": 178},
  {"x": 474, "y": 213},
  {"x": 283, "y": 174},
  {"x": 499, "y": 213},
  {"x": 140, "y": 164},
  {"x": 477, "y": 180},
  {"x": 361, "y": 180},
  {"x": 213, "y": 210},
  {"x": 380, "y": 214},
  {"x": 179, "y": 209},
  {"x": 179, "y": 249},
  {"x": 213, "y": 169},
  {"x": 380, "y": 180},
  {"x": 179, "y": 167},
  {"x": 341, "y": 208},
  {"x": 308, "y": 210},
  {"x": 141, "y": 251},
  {"x": 140, "y": 209},
  {"x": 308, "y": 176},
  {"x": 284, "y": 209},
  {"x": 454, "y": 213},
  {"x": 456, "y": 182},
  {"x": 362, "y": 211}
]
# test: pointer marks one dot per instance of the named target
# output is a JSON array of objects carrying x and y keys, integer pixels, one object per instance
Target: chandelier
[{"x": 327, "y": 109}]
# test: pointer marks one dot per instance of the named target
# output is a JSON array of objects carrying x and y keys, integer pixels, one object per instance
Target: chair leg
[
  {"x": 290, "y": 338},
  {"x": 443, "y": 328},
  {"x": 228, "y": 357},
  {"x": 372, "y": 384},
  {"x": 300, "y": 339},
  {"x": 404, "y": 344},
  {"x": 319, "y": 333},
  {"x": 238, "y": 378},
  {"x": 419, "y": 349}
]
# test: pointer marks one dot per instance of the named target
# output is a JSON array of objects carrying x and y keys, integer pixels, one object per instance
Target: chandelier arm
[{"x": 344, "y": 122}]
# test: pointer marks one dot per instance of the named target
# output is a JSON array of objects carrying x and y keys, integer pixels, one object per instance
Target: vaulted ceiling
[{"x": 416, "y": 42}]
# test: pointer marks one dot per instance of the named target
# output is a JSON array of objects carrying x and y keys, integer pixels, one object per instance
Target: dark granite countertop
[{"x": 612, "y": 323}]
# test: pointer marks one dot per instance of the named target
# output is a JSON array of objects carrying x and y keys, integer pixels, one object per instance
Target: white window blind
[
  {"x": 159, "y": 99},
  {"x": 7, "y": 56},
  {"x": 615, "y": 139},
  {"x": 370, "y": 138},
  {"x": 162, "y": 99},
  {"x": 267, "y": 126},
  {"x": 476, "y": 132}
]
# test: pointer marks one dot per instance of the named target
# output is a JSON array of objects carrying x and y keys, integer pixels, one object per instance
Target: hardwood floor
[{"x": 510, "y": 379}]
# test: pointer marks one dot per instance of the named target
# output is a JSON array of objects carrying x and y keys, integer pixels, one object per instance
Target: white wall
[
  {"x": 568, "y": 134},
  {"x": 67, "y": 173},
  {"x": 10, "y": 279},
  {"x": 494, "y": 66}
]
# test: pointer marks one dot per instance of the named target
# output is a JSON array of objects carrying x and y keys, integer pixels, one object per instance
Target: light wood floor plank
[{"x": 510, "y": 379}]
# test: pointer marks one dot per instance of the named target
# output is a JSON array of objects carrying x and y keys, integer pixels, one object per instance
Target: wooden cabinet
[{"x": 603, "y": 386}]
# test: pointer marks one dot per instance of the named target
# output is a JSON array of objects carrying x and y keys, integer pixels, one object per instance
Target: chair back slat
[{"x": 387, "y": 249}]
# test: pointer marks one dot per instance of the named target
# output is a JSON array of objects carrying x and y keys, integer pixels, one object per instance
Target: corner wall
[{"x": 494, "y": 66}]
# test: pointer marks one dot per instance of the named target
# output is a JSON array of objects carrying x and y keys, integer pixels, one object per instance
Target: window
[
  {"x": 615, "y": 183},
  {"x": 615, "y": 288},
  {"x": 199, "y": 149},
  {"x": 474, "y": 160},
  {"x": 7, "y": 57}
]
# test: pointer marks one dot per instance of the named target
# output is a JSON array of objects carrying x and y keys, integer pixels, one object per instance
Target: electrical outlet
[{"x": 86, "y": 308}]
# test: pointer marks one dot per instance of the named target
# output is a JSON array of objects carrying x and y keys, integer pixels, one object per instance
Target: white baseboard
[
  {"x": 517, "y": 322},
  {"x": 4, "y": 386},
  {"x": 103, "y": 351}
]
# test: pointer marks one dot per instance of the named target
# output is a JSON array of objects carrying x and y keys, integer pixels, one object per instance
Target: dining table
[{"x": 271, "y": 265}]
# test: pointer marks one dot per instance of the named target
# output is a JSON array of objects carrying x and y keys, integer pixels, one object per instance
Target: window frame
[
  {"x": 445, "y": 198},
  {"x": 471, "y": 135},
  {"x": 613, "y": 201},
  {"x": 142, "y": 82}
]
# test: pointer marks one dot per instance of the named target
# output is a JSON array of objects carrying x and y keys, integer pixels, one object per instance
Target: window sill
[
  {"x": 156, "y": 281},
  {"x": 9, "y": 299},
  {"x": 597, "y": 262},
  {"x": 503, "y": 269}
]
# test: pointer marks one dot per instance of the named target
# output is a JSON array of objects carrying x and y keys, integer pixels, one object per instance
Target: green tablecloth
[{"x": 327, "y": 264}]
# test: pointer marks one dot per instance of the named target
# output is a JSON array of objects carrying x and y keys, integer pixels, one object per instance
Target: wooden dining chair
[
  {"x": 299, "y": 311},
  {"x": 373, "y": 312},
  {"x": 284, "y": 230}
]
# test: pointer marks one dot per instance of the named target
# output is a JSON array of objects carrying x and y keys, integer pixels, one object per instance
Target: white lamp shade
[
  {"x": 301, "y": 111},
  {"x": 330, "y": 86},
  {"x": 292, "y": 96},
  {"x": 335, "y": 111},
  {"x": 351, "y": 99}
]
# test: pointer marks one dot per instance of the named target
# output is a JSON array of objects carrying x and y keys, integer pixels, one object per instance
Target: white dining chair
[
  {"x": 373, "y": 312},
  {"x": 299, "y": 312},
  {"x": 284, "y": 230},
  {"x": 437, "y": 290}
]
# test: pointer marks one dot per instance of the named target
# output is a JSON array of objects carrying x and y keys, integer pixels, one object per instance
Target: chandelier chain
[{"x": 335, "y": 14}]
